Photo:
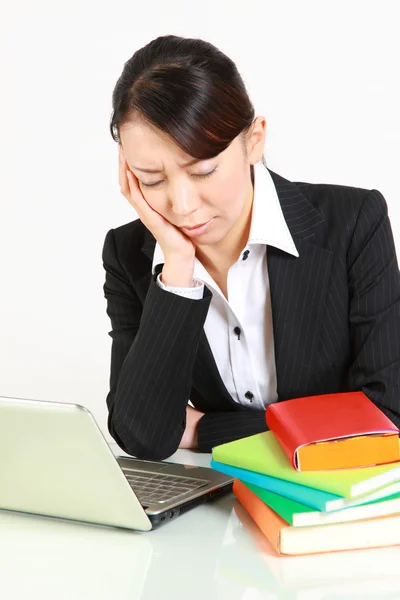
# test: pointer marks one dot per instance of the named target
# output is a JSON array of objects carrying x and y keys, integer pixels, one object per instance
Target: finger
[
  {"x": 136, "y": 197},
  {"x": 146, "y": 213},
  {"x": 123, "y": 180},
  {"x": 130, "y": 187}
]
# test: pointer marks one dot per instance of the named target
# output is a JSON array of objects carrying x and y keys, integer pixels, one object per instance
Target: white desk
[{"x": 212, "y": 552}]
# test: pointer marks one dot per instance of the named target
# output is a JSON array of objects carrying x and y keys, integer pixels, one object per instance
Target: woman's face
[{"x": 189, "y": 195}]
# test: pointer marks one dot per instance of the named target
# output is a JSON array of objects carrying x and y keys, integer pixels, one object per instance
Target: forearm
[
  {"x": 154, "y": 383},
  {"x": 217, "y": 428}
]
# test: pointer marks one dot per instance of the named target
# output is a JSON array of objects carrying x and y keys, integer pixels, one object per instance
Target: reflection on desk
[
  {"x": 214, "y": 551},
  {"x": 363, "y": 574}
]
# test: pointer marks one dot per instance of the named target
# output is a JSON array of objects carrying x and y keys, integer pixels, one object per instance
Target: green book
[
  {"x": 300, "y": 515},
  {"x": 262, "y": 453}
]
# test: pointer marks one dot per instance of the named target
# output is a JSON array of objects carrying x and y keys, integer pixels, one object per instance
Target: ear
[{"x": 256, "y": 140}]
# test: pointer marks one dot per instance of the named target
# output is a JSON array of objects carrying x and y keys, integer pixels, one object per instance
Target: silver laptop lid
[{"x": 55, "y": 461}]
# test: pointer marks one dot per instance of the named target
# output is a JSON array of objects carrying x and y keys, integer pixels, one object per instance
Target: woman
[{"x": 235, "y": 288}]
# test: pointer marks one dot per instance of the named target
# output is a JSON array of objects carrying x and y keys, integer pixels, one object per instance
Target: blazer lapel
[
  {"x": 208, "y": 382},
  {"x": 298, "y": 288}
]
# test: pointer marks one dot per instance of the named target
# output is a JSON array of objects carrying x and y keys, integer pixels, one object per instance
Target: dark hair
[{"x": 189, "y": 90}]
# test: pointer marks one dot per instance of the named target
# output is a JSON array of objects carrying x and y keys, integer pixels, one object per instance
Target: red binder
[{"x": 333, "y": 431}]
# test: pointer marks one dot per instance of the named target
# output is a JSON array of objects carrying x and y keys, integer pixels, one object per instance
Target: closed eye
[{"x": 202, "y": 176}]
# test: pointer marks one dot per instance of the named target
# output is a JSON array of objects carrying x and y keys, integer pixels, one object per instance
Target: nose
[{"x": 184, "y": 201}]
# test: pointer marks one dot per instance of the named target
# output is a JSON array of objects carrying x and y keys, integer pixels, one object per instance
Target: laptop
[{"x": 56, "y": 462}]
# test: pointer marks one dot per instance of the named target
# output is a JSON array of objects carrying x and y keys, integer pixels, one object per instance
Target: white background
[{"x": 324, "y": 74}]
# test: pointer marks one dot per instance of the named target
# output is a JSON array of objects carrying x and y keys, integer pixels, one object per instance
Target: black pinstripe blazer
[{"x": 336, "y": 321}]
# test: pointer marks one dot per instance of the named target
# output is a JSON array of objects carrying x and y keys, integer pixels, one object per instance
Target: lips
[
  {"x": 199, "y": 229},
  {"x": 194, "y": 226}
]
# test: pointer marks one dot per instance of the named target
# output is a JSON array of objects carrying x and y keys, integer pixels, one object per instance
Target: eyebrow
[{"x": 189, "y": 163}]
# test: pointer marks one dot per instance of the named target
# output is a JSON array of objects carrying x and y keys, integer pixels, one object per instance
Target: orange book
[
  {"x": 346, "y": 453},
  {"x": 333, "y": 431},
  {"x": 314, "y": 539}
]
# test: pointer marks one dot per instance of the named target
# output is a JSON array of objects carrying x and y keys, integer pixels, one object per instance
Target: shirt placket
[{"x": 242, "y": 370}]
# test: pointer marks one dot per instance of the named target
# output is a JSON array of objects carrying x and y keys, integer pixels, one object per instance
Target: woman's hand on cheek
[{"x": 172, "y": 241}]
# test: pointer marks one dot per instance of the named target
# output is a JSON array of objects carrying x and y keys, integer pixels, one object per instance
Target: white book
[{"x": 370, "y": 533}]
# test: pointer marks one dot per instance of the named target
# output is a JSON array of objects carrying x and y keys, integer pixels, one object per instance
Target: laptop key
[{"x": 155, "y": 487}]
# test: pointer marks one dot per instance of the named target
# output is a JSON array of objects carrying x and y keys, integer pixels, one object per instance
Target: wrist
[
  {"x": 178, "y": 274},
  {"x": 190, "y": 438},
  {"x": 195, "y": 432}
]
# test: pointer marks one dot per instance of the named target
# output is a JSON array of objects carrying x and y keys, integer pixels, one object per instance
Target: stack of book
[{"x": 325, "y": 477}]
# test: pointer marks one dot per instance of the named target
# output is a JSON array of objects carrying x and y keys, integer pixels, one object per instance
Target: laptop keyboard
[{"x": 156, "y": 487}]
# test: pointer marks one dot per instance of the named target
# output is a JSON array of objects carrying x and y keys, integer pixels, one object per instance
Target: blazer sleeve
[
  {"x": 154, "y": 347},
  {"x": 225, "y": 426},
  {"x": 374, "y": 307}
]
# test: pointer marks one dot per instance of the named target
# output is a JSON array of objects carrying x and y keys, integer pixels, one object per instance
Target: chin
[{"x": 212, "y": 240}]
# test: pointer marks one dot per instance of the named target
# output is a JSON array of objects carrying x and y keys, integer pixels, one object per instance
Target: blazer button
[{"x": 249, "y": 396}]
